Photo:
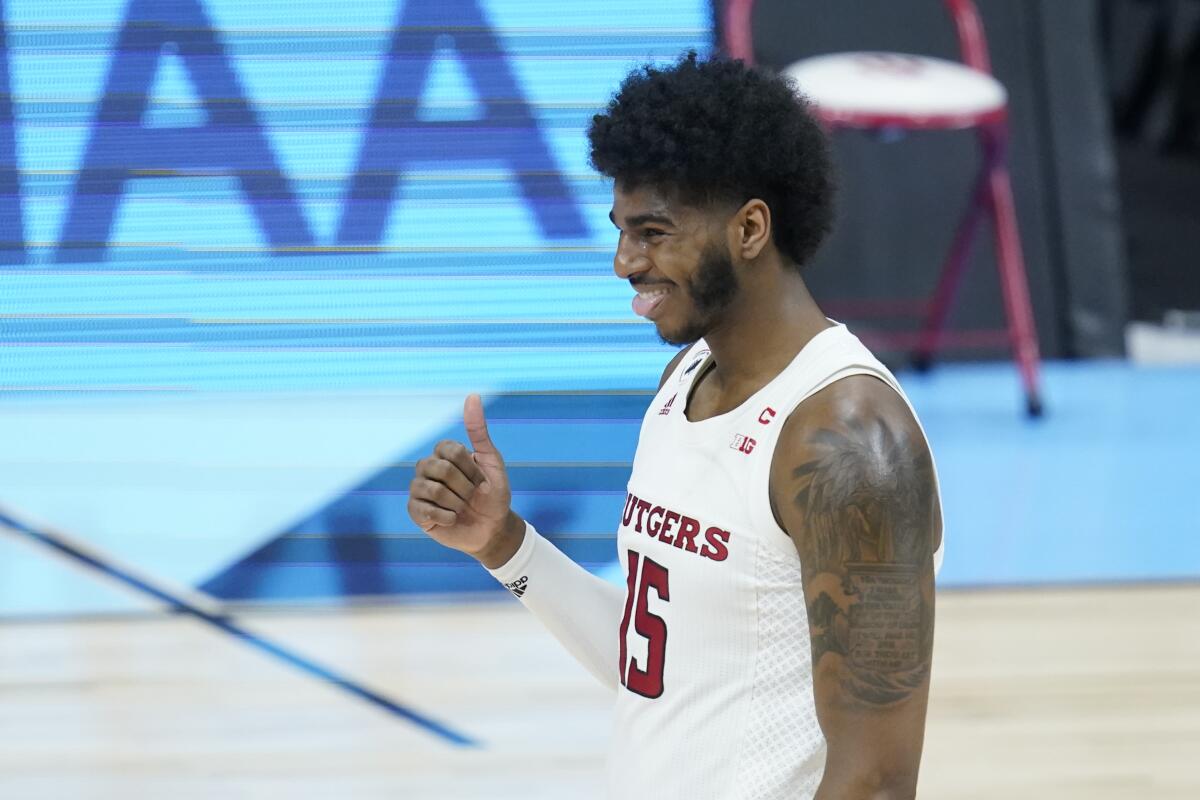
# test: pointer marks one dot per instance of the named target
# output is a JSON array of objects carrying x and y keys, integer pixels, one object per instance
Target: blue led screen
[
  {"x": 252, "y": 255},
  {"x": 214, "y": 194}
]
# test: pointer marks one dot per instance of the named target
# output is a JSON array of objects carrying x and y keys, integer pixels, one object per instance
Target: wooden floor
[{"x": 1082, "y": 693}]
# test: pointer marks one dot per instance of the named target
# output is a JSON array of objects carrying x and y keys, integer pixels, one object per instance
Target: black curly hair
[{"x": 718, "y": 131}]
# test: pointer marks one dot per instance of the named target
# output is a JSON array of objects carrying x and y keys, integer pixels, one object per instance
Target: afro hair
[{"x": 718, "y": 131}]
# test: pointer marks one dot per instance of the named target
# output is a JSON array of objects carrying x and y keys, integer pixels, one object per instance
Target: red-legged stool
[{"x": 901, "y": 92}]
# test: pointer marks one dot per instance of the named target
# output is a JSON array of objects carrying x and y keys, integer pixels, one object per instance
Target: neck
[{"x": 762, "y": 331}]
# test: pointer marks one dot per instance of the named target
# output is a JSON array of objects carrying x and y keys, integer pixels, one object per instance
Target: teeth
[{"x": 652, "y": 294}]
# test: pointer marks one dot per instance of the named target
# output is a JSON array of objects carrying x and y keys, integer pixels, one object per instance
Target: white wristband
[
  {"x": 512, "y": 572},
  {"x": 582, "y": 611}
]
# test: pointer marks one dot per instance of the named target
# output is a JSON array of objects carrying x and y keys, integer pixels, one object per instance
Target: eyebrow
[{"x": 642, "y": 219}]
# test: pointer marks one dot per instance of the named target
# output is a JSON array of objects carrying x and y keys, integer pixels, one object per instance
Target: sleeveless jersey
[{"x": 716, "y": 697}]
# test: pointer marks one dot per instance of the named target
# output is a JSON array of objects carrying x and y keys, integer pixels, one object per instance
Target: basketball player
[{"x": 782, "y": 525}]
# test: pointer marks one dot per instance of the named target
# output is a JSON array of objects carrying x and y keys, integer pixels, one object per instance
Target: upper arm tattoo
[{"x": 866, "y": 500}]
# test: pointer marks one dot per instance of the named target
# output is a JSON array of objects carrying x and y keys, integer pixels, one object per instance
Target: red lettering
[
  {"x": 767, "y": 415},
  {"x": 671, "y": 518},
  {"x": 686, "y": 538},
  {"x": 630, "y": 502},
  {"x": 652, "y": 526},
  {"x": 747, "y": 445},
  {"x": 642, "y": 507},
  {"x": 676, "y": 529},
  {"x": 715, "y": 540}
]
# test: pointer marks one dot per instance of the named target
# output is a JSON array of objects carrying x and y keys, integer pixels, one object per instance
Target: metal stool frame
[{"x": 992, "y": 196}]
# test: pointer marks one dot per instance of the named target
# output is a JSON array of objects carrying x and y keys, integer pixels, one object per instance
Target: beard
[{"x": 712, "y": 290}]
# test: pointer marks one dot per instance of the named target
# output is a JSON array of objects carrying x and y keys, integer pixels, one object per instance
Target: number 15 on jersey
[{"x": 643, "y": 575}]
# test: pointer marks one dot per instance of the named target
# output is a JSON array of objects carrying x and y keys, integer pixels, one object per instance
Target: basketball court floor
[{"x": 1072, "y": 694}]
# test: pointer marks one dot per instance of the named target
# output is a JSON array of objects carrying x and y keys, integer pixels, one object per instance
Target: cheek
[{"x": 679, "y": 261}]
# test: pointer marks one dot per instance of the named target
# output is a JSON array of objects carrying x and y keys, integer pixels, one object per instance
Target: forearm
[
  {"x": 580, "y": 610},
  {"x": 871, "y": 754},
  {"x": 865, "y": 786}
]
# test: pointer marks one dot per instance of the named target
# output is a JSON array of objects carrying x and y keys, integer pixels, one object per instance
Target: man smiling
[{"x": 782, "y": 525}]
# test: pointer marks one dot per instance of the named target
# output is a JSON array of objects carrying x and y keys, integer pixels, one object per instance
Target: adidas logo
[
  {"x": 518, "y": 586},
  {"x": 666, "y": 409}
]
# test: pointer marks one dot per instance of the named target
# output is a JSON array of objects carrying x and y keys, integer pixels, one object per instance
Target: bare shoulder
[
  {"x": 859, "y": 414},
  {"x": 672, "y": 364},
  {"x": 855, "y": 400},
  {"x": 856, "y": 448}
]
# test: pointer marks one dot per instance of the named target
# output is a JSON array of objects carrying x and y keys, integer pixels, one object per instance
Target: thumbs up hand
[{"x": 461, "y": 496}]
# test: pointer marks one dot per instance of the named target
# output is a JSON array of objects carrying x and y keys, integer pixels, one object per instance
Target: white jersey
[{"x": 716, "y": 697}]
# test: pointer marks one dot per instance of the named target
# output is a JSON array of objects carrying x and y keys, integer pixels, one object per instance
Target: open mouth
[{"x": 646, "y": 301}]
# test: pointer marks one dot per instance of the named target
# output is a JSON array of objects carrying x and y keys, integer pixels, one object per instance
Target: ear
[{"x": 750, "y": 229}]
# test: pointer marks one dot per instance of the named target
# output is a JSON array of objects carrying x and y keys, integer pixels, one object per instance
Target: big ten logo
[
  {"x": 396, "y": 139},
  {"x": 742, "y": 443}
]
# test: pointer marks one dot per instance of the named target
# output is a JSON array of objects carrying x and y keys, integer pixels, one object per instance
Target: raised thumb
[{"x": 476, "y": 425}]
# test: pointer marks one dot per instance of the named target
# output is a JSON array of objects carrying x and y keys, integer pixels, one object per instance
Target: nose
[{"x": 630, "y": 258}]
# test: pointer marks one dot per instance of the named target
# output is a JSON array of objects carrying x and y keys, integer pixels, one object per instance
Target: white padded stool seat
[{"x": 880, "y": 90}]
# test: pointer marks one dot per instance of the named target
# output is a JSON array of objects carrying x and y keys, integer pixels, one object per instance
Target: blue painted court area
[{"x": 1104, "y": 488}]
